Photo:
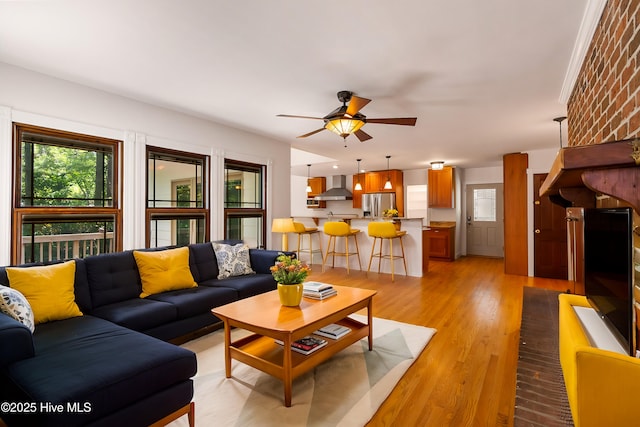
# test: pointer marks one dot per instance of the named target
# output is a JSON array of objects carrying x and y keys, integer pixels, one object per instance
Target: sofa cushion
[
  {"x": 164, "y": 271},
  {"x": 48, "y": 288},
  {"x": 112, "y": 278},
  {"x": 194, "y": 301},
  {"x": 14, "y": 304},
  {"x": 86, "y": 359},
  {"x": 233, "y": 260},
  {"x": 138, "y": 314},
  {"x": 204, "y": 265},
  {"x": 245, "y": 286}
]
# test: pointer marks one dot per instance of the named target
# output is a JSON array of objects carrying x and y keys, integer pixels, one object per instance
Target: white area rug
[{"x": 346, "y": 390}]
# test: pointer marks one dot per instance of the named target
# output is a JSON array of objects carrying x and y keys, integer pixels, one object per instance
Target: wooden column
[{"x": 515, "y": 213}]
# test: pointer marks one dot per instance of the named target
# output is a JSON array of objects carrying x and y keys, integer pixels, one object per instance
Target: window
[
  {"x": 244, "y": 210},
  {"x": 484, "y": 204},
  {"x": 177, "y": 209},
  {"x": 65, "y": 195}
]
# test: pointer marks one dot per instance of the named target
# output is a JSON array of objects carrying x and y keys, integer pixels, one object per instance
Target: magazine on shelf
[
  {"x": 316, "y": 286},
  {"x": 333, "y": 331},
  {"x": 306, "y": 345}
]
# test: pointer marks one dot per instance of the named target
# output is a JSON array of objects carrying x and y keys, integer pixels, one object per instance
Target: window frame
[
  {"x": 58, "y": 213},
  {"x": 239, "y": 212},
  {"x": 174, "y": 212}
]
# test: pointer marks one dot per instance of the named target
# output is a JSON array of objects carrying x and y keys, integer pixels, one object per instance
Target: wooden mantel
[{"x": 579, "y": 172}]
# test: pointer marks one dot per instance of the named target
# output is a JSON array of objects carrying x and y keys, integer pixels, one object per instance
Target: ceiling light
[
  {"x": 358, "y": 186},
  {"x": 344, "y": 126},
  {"x": 437, "y": 166},
  {"x": 309, "y": 190},
  {"x": 387, "y": 185}
]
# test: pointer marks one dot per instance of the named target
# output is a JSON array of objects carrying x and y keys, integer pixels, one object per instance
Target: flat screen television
[{"x": 608, "y": 273}]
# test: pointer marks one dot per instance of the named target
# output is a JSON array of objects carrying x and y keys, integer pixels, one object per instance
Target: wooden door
[{"x": 550, "y": 235}]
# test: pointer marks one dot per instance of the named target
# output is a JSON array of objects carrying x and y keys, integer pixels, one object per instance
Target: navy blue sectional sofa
[{"x": 113, "y": 365}]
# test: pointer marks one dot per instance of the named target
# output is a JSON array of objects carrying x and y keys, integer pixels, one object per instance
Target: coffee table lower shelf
[{"x": 265, "y": 354}]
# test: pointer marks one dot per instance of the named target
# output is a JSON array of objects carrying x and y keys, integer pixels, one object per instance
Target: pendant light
[
  {"x": 309, "y": 190},
  {"x": 560, "y": 120},
  {"x": 387, "y": 185},
  {"x": 358, "y": 186}
]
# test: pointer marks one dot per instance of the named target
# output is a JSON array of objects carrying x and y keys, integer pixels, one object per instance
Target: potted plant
[
  {"x": 289, "y": 273},
  {"x": 390, "y": 213}
]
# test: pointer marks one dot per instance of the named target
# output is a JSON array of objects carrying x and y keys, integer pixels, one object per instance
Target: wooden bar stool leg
[
  {"x": 333, "y": 252},
  {"x": 355, "y": 237},
  {"x": 319, "y": 243},
  {"x": 346, "y": 250},
  {"x": 391, "y": 257},
  {"x": 326, "y": 255},
  {"x": 373, "y": 247},
  {"x": 379, "y": 255},
  {"x": 298, "y": 251},
  {"x": 404, "y": 260}
]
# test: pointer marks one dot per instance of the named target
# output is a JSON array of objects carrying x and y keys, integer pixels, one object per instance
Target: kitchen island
[{"x": 412, "y": 244}]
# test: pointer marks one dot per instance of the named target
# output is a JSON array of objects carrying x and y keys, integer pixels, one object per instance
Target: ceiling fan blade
[
  {"x": 404, "y": 121},
  {"x": 356, "y": 104},
  {"x": 311, "y": 133},
  {"x": 299, "y": 117},
  {"x": 362, "y": 135}
]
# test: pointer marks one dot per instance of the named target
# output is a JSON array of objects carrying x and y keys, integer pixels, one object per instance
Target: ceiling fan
[{"x": 347, "y": 119}]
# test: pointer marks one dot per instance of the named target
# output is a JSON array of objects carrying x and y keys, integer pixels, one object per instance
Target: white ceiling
[{"x": 483, "y": 77}]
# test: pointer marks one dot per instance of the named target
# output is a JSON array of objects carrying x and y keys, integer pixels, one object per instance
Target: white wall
[{"x": 34, "y": 98}]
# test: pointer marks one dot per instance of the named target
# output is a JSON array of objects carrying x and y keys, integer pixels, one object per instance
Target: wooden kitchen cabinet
[
  {"x": 318, "y": 185},
  {"x": 441, "y": 188},
  {"x": 441, "y": 243},
  {"x": 373, "y": 182}
]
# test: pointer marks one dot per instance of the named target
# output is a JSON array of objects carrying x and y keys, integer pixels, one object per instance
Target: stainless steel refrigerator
[{"x": 373, "y": 204}]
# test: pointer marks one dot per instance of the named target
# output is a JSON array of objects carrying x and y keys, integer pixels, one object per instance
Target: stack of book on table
[
  {"x": 318, "y": 290},
  {"x": 333, "y": 331},
  {"x": 306, "y": 345}
]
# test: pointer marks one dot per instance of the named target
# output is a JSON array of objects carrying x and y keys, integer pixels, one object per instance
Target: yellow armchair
[{"x": 602, "y": 386}]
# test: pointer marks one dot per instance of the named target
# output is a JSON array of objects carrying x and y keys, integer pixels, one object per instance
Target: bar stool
[
  {"x": 386, "y": 230},
  {"x": 335, "y": 229},
  {"x": 301, "y": 230}
]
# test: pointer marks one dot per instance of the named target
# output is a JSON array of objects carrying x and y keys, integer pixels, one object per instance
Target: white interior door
[{"x": 485, "y": 220}]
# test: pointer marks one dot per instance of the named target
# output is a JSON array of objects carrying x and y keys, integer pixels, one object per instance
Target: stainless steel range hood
[{"x": 337, "y": 190}]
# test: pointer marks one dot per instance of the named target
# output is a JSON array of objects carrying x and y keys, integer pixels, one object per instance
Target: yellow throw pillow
[
  {"x": 49, "y": 290},
  {"x": 162, "y": 271}
]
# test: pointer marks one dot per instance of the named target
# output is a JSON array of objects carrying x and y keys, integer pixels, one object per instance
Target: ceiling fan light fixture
[
  {"x": 438, "y": 165},
  {"x": 344, "y": 126}
]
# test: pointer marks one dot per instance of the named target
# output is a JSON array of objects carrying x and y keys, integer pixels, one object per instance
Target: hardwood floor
[{"x": 466, "y": 376}]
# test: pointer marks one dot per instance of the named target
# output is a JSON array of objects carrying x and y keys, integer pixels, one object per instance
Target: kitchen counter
[
  {"x": 412, "y": 242},
  {"x": 442, "y": 224}
]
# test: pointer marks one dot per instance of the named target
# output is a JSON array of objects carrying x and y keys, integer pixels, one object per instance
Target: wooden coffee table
[{"x": 269, "y": 320}]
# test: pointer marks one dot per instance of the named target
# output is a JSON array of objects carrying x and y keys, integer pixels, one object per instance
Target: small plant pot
[{"x": 290, "y": 295}]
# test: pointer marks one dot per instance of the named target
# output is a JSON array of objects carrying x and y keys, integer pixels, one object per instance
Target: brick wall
[{"x": 605, "y": 102}]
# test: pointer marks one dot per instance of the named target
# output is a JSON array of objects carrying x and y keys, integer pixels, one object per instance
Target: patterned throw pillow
[
  {"x": 14, "y": 304},
  {"x": 232, "y": 260}
]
